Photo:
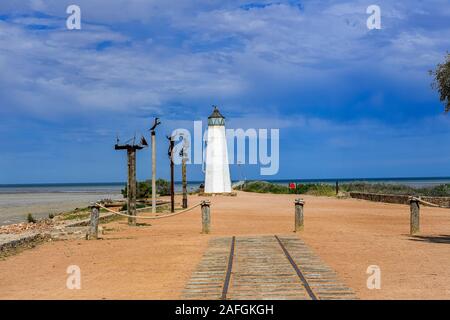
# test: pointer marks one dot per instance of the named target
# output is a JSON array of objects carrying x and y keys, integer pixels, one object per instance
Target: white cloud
[
  {"x": 61, "y": 70},
  {"x": 210, "y": 51}
]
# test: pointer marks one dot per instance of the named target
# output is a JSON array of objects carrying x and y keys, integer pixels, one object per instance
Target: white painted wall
[{"x": 217, "y": 175}]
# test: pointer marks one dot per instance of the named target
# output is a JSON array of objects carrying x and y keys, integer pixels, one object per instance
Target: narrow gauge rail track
[{"x": 263, "y": 267}]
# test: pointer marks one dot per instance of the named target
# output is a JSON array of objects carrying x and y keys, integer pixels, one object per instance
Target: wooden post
[
  {"x": 172, "y": 188},
  {"x": 131, "y": 181},
  {"x": 299, "y": 203},
  {"x": 414, "y": 208},
  {"x": 337, "y": 187},
  {"x": 183, "y": 173},
  {"x": 206, "y": 217},
  {"x": 131, "y": 194},
  {"x": 153, "y": 172},
  {"x": 92, "y": 232}
]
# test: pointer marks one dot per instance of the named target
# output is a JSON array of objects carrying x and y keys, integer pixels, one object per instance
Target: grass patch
[
  {"x": 162, "y": 208},
  {"x": 77, "y": 214},
  {"x": 112, "y": 218},
  {"x": 30, "y": 218}
]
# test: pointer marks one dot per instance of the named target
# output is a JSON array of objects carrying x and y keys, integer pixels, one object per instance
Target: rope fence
[
  {"x": 414, "y": 202},
  {"x": 426, "y": 203},
  {"x": 414, "y": 205},
  {"x": 92, "y": 232},
  {"x": 120, "y": 213}
]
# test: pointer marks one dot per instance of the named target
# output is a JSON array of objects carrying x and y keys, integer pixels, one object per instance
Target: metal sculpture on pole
[
  {"x": 152, "y": 129},
  {"x": 184, "y": 158},
  {"x": 172, "y": 189},
  {"x": 131, "y": 183}
]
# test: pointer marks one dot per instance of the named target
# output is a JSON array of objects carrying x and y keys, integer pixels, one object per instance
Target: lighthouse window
[{"x": 216, "y": 122}]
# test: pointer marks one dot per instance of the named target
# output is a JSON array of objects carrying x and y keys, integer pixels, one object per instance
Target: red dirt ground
[{"x": 155, "y": 262}]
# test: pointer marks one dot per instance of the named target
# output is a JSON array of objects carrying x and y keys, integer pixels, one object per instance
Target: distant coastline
[
  {"x": 411, "y": 181},
  {"x": 16, "y": 200},
  {"x": 113, "y": 187}
]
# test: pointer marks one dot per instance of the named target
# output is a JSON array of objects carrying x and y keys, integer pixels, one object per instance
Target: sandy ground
[
  {"x": 15, "y": 207},
  {"x": 154, "y": 262}
]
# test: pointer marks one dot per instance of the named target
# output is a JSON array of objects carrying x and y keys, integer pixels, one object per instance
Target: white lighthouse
[{"x": 217, "y": 175}]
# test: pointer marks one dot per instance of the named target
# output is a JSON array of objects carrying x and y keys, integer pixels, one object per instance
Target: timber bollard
[
  {"x": 414, "y": 215},
  {"x": 92, "y": 232},
  {"x": 206, "y": 216},
  {"x": 299, "y": 203}
]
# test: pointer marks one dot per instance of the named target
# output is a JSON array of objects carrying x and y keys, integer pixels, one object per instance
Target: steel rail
[
  {"x": 226, "y": 283},
  {"x": 297, "y": 270}
]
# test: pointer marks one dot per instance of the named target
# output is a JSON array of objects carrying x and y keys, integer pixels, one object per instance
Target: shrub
[
  {"x": 322, "y": 190},
  {"x": 267, "y": 187},
  {"x": 30, "y": 218},
  {"x": 264, "y": 187},
  {"x": 301, "y": 188},
  {"x": 442, "y": 190},
  {"x": 162, "y": 187},
  {"x": 144, "y": 189}
]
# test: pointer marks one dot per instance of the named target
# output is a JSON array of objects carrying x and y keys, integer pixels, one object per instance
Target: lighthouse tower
[{"x": 217, "y": 176}]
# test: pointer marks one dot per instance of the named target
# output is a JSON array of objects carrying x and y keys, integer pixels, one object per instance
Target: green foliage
[
  {"x": 267, "y": 187},
  {"x": 77, "y": 214},
  {"x": 321, "y": 189},
  {"x": 329, "y": 190},
  {"x": 162, "y": 187},
  {"x": 264, "y": 187},
  {"x": 377, "y": 188},
  {"x": 144, "y": 189},
  {"x": 301, "y": 188},
  {"x": 441, "y": 81},
  {"x": 30, "y": 218},
  {"x": 442, "y": 190}
]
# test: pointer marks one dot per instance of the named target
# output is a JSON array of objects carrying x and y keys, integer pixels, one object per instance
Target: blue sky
[{"x": 349, "y": 102}]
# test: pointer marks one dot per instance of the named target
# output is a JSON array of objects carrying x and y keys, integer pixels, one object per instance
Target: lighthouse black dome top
[{"x": 216, "y": 118}]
